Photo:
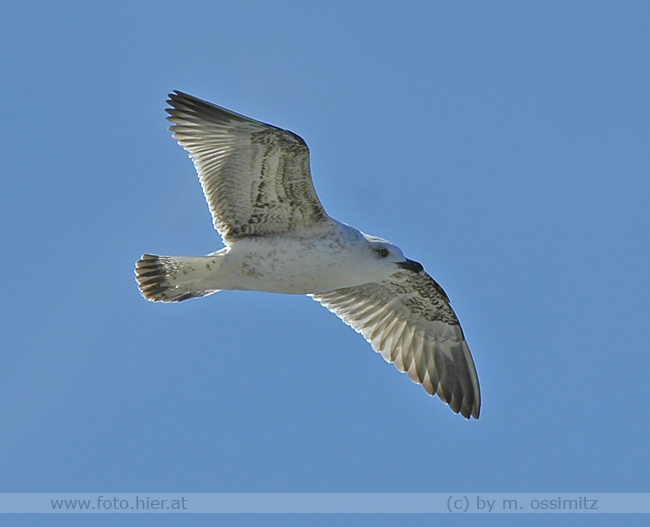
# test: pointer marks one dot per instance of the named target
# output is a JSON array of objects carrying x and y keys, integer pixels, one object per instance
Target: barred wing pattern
[
  {"x": 255, "y": 176},
  {"x": 407, "y": 318}
]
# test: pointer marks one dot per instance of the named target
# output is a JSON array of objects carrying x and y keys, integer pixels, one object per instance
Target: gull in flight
[{"x": 278, "y": 238}]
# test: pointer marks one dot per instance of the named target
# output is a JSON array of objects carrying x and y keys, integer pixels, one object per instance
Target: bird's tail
[{"x": 176, "y": 278}]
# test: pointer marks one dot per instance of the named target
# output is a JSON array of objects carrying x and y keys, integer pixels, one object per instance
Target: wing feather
[
  {"x": 255, "y": 177},
  {"x": 407, "y": 318}
]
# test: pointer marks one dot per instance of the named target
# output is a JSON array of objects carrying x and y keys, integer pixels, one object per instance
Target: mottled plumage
[
  {"x": 278, "y": 238},
  {"x": 407, "y": 318},
  {"x": 255, "y": 177}
]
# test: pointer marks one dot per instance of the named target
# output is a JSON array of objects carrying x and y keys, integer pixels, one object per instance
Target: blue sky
[{"x": 504, "y": 145}]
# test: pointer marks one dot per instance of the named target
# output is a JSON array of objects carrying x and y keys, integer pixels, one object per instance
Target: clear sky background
[{"x": 505, "y": 145}]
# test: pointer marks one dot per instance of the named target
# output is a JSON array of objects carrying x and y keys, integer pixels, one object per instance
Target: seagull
[{"x": 279, "y": 239}]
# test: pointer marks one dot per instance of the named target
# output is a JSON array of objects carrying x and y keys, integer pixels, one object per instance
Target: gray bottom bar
[{"x": 324, "y": 503}]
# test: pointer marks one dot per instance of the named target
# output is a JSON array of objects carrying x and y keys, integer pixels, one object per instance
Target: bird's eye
[{"x": 383, "y": 252}]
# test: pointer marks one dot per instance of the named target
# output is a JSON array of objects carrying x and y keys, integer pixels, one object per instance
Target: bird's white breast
[{"x": 324, "y": 261}]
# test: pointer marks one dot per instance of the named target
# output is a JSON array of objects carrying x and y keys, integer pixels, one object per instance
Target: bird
[{"x": 278, "y": 238}]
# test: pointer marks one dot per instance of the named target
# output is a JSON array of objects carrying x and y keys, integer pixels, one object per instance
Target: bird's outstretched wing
[
  {"x": 255, "y": 176},
  {"x": 407, "y": 318}
]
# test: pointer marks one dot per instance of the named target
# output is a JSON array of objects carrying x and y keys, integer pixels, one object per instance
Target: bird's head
[{"x": 390, "y": 257}]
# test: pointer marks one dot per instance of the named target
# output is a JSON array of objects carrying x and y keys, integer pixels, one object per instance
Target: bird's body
[
  {"x": 279, "y": 239},
  {"x": 292, "y": 264}
]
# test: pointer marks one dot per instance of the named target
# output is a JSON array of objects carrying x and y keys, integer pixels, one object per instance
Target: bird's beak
[{"x": 411, "y": 265}]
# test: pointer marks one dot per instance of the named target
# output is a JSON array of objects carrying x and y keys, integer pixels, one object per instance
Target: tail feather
[{"x": 174, "y": 279}]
